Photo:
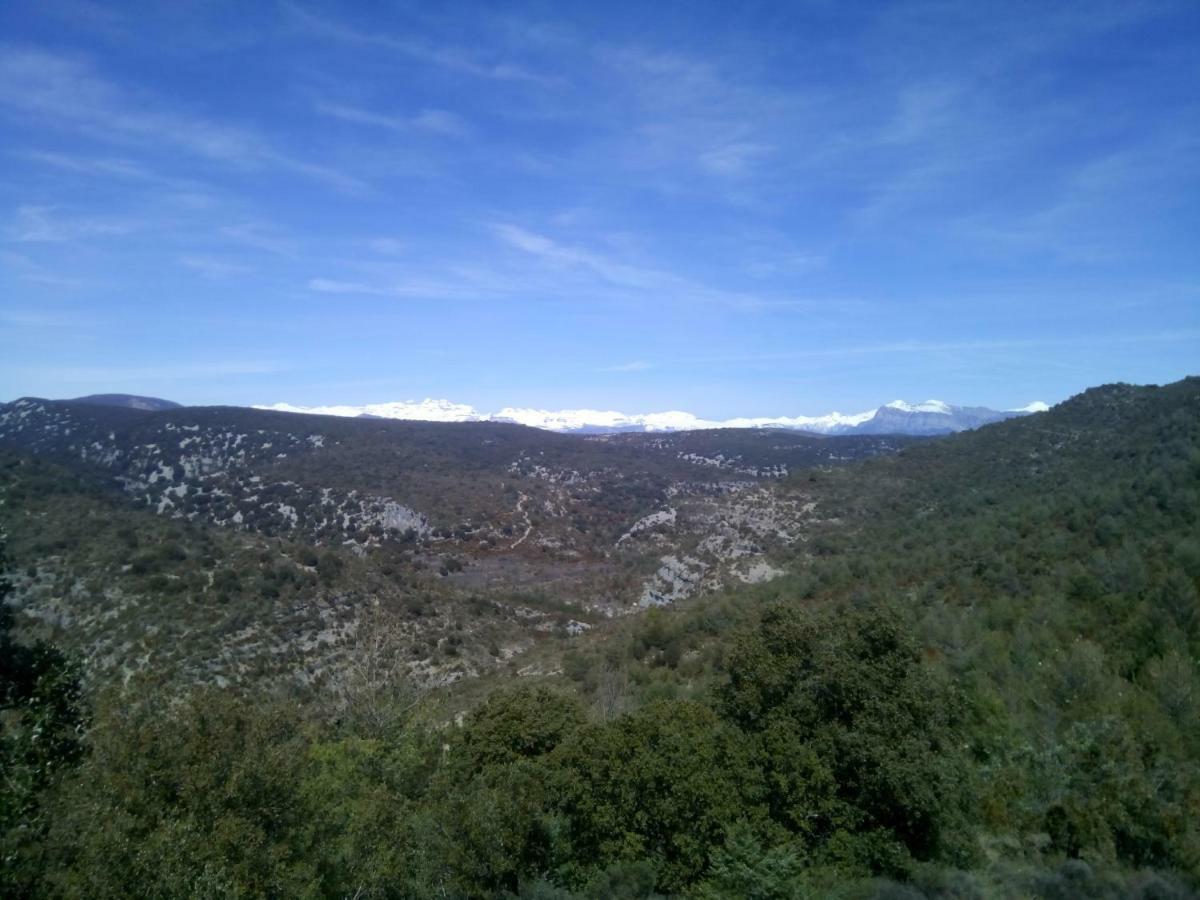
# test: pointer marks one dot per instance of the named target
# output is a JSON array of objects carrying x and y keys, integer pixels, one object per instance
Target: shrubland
[{"x": 980, "y": 677}]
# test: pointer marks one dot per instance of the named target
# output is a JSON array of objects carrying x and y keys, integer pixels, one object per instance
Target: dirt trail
[{"x": 528, "y": 525}]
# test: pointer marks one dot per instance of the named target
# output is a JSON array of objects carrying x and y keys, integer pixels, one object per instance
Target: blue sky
[{"x": 733, "y": 209}]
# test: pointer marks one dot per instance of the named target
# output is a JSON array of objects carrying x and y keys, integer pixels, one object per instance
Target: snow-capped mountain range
[{"x": 897, "y": 417}]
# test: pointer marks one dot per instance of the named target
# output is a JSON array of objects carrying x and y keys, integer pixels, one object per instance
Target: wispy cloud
[
  {"x": 26, "y": 269},
  {"x": 261, "y": 237},
  {"x": 45, "y": 319},
  {"x": 386, "y": 246},
  {"x": 91, "y": 16},
  {"x": 801, "y": 191},
  {"x": 659, "y": 284},
  {"x": 51, "y": 224},
  {"x": 771, "y": 265},
  {"x": 923, "y": 110},
  {"x": 558, "y": 254},
  {"x": 212, "y": 267},
  {"x": 70, "y": 93},
  {"x": 437, "y": 121},
  {"x": 734, "y": 158},
  {"x": 450, "y": 284},
  {"x": 333, "y": 286},
  {"x": 691, "y": 115},
  {"x": 105, "y": 166},
  {"x": 1097, "y": 208},
  {"x": 182, "y": 192},
  {"x": 456, "y": 59}
]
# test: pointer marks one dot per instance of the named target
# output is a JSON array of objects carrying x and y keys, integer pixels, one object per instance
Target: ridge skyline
[{"x": 931, "y": 415}]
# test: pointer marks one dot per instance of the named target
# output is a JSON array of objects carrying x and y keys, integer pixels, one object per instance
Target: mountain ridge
[
  {"x": 928, "y": 418},
  {"x": 898, "y": 417}
]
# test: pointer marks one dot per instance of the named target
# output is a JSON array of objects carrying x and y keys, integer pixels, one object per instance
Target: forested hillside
[{"x": 978, "y": 676}]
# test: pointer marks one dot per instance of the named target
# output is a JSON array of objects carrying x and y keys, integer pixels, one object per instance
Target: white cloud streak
[
  {"x": 455, "y": 59},
  {"x": 50, "y": 224},
  {"x": 534, "y": 266},
  {"x": 659, "y": 284},
  {"x": 71, "y": 94},
  {"x": 260, "y": 237},
  {"x": 213, "y": 268},
  {"x": 436, "y": 121}
]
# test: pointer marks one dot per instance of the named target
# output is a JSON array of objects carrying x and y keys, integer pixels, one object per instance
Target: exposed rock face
[
  {"x": 675, "y": 580},
  {"x": 662, "y": 518},
  {"x": 401, "y": 518},
  {"x": 893, "y": 420}
]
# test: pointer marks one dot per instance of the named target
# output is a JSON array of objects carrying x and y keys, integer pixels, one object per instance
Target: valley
[{"x": 253, "y": 543}]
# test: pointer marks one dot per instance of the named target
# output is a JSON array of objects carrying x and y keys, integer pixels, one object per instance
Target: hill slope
[
  {"x": 268, "y": 536},
  {"x": 979, "y": 676}
]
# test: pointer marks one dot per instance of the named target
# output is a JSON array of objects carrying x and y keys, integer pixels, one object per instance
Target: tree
[
  {"x": 524, "y": 723},
  {"x": 199, "y": 797},
  {"x": 372, "y": 692},
  {"x": 860, "y": 741},
  {"x": 660, "y": 784},
  {"x": 42, "y": 721}
]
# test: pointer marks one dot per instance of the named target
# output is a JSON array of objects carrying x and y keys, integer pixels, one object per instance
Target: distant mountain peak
[
  {"x": 897, "y": 417},
  {"x": 427, "y": 410},
  {"x": 127, "y": 401},
  {"x": 929, "y": 406}
]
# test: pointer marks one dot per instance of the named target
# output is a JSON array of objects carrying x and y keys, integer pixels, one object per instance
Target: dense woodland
[{"x": 980, "y": 678}]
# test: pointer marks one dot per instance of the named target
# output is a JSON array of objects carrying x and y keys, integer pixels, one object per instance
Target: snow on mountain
[
  {"x": 826, "y": 424},
  {"x": 929, "y": 406},
  {"x": 427, "y": 410},
  {"x": 898, "y": 417},
  {"x": 599, "y": 420}
]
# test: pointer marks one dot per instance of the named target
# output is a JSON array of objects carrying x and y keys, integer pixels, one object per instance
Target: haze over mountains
[{"x": 898, "y": 417}]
